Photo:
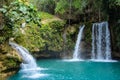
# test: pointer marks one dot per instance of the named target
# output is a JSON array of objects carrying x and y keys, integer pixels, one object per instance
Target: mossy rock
[{"x": 9, "y": 61}]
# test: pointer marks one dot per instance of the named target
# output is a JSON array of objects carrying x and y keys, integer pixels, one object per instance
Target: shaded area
[{"x": 47, "y": 54}]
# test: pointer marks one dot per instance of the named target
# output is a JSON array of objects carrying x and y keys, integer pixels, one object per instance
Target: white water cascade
[
  {"x": 28, "y": 61},
  {"x": 101, "y": 49},
  {"x": 28, "y": 66},
  {"x": 76, "y": 54}
]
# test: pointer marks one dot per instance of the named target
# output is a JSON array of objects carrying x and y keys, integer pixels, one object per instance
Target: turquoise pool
[{"x": 52, "y": 69}]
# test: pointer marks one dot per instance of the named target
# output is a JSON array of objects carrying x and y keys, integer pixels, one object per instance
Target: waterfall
[
  {"x": 28, "y": 61},
  {"x": 101, "y": 49},
  {"x": 76, "y": 54},
  {"x": 29, "y": 67}
]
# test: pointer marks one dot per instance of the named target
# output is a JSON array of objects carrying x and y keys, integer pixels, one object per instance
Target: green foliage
[
  {"x": 18, "y": 11},
  {"x": 116, "y": 29},
  {"x": 79, "y": 5},
  {"x": 52, "y": 35},
  {"x": 62, "y": 6},
  {"x": 11, "y": 62},
  {"x": 113, "y": 3},
  {"x": 94, "y": 10},
  {"x": 44, "y": 15},
  {"x": 88, "y": 28},
  {"x": 118, "y": 2},
  {"x": 65, "y": 5},
  {"x": 47, "y": 37},
  {"x": 46, "y": 5},
  {"x": 29, "y": 37},
  {"x": 57, "y": 25},
  {"x": 15, "y": 14}
]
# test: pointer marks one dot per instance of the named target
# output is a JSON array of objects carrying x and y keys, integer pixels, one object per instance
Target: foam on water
[
  {"x": 33, "y": 69},
  {"x": 35, "y": 76},
  {"x": 88, "y": 60},
  {"x": 100, "y": 60},
  {"x": 73, "y": 60}
]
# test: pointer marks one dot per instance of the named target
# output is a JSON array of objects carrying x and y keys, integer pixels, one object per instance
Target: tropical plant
[{"x": 17, "y": 14}]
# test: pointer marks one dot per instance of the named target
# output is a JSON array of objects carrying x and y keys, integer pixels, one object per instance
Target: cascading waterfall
[
  {"x": 76, "y": 54},
  {"x": 28, "y": 66},
  {"x": 28, "y": 61},
  {"x": 101, "y": 49}
]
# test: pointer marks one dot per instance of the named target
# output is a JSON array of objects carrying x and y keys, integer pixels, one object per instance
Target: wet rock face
[
  {"x": 116, "y": 55},
  {"x": 8, "y": 65},
  {"x": 9, "y": 61}
]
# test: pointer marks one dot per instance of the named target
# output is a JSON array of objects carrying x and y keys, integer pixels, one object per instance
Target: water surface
[{"x": 68, "y": 70}]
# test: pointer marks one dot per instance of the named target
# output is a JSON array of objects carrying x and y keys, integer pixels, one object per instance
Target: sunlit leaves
[
  {"x": 62, "y": 6},
  {"x": 18, "y": 11},
  {"x": 113, "y": 3},
  {"x": 15, "y": 14},
  {"x": 117, "y": 2},
  {"x": 24, "y": 1},
  {"x": 79, "y": 4},
  {"x": 23, "y": 9}
]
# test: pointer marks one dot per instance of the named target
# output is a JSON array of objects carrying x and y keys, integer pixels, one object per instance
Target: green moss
[
  {"x": 44, "y": 15},
  {"x": 51, "y": 32},
  {"x": 9, "y": 61}
]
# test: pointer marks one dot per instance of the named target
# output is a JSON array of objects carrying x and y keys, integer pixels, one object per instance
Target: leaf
[
  {"x": 3, "y": 10},
  {"x": 23, "y": 9},
  {"x": 31, "y": 6},
  {"x": 14, "y": 13}
]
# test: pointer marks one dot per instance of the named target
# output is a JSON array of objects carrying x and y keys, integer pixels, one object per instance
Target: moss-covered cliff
[{"x": 9, "y": 61}]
